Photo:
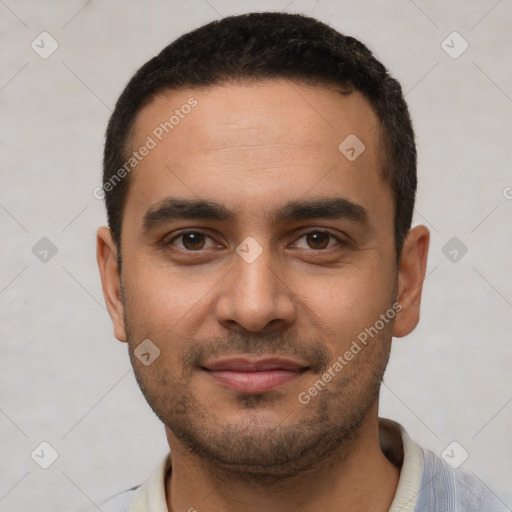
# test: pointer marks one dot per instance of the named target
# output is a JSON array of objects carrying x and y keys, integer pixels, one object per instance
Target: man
[{"x": 259, "y": 177}]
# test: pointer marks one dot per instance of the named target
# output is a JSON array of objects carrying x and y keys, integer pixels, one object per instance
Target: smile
[{"x": 254, "y": 376}]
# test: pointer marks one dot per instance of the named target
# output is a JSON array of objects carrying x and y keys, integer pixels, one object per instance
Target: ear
[
  {"x": 411, "y": 273},
  {"x": 106, "y": 255}
]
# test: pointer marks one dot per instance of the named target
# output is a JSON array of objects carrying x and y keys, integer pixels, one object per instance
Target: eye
[
  {"x": 317, "y": 240},
  {"x": 192, "y": 241}
]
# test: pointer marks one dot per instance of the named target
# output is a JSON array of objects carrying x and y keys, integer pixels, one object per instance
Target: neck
[{"x": 355, "y": 478}]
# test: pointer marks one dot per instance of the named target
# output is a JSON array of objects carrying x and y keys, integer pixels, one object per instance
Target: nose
[{"x": 255, "y": 296}]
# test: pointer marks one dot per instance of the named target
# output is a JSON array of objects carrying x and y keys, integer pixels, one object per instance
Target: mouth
[{"x": 254, "y": 376}]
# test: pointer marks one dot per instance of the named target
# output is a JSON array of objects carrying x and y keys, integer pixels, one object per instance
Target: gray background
[{"x": 65, "y": 379}]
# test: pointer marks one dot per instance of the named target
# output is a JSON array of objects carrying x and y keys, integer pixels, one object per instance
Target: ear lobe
[
  {"x": 411, "y": 274},
  {"x": 106, "y": 255}
]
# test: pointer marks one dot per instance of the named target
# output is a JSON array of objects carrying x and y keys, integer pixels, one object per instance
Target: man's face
[{"x": 289, "y": 257}]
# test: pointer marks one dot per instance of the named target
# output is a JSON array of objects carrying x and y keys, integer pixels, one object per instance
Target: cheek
[
  {"x": 157, "y": 292},
  {"x": 344, "y": 304},
  {"x": 166, "y": 306}
]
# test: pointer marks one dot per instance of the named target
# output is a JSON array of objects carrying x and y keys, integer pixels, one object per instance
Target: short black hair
[{"x": 262, "y": 46}]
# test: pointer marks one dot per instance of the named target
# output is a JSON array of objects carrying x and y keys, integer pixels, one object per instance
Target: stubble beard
[{"x": 308, "y": 436}]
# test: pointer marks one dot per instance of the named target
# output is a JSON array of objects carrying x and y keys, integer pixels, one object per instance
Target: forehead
[
  {"x": 278, "y": 110},
  {"x": 270, "y": 139}
]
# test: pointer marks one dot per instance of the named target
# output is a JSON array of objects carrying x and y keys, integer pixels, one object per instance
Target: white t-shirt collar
[{"x": 150, "y": 497}]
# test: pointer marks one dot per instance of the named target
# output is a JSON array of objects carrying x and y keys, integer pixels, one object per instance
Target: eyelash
[{"x": 314, "y": 231}]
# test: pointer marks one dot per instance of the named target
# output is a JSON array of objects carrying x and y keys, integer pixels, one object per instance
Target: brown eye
[
  {"x": 191, "y": 241},
  {"x": 318, "y": 240}
]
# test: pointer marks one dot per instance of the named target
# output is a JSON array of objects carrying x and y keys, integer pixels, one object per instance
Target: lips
[{"x": 254, "y": 376}]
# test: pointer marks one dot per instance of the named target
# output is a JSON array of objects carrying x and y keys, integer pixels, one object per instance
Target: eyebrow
[{"x": 171, "y": 209}]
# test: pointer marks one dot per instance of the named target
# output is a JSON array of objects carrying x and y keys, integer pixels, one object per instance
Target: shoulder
[
  {"x": 428, "y": 483},
  {"x": 444, "y": 489}
]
